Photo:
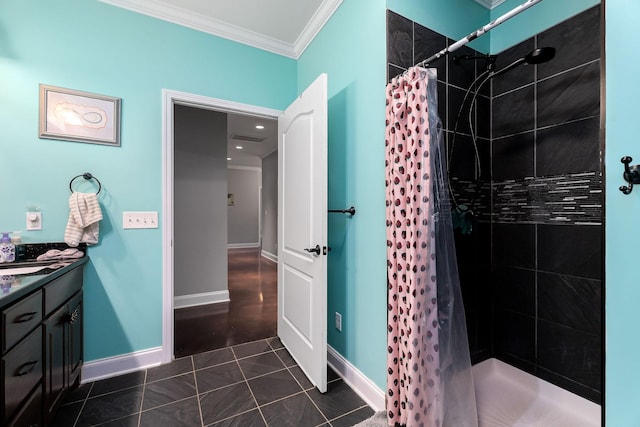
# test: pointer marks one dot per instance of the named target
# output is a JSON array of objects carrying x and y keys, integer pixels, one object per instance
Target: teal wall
[
  {"x": 351, "y": 50},
  {"x": 90, "y": 46},
  {"x": 622, "y": 226},
  {"x": 532, "y": 21}
]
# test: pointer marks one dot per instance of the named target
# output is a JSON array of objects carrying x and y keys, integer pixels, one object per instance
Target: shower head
[
  {"x": 536, "y": 56},
  {"x": 540, "y": 55}
]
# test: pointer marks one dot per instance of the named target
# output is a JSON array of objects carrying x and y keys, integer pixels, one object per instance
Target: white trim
[
  {"x": 122, "y": 364},
  {"x": 363, "y": 386},
  {"x": 490, "y": 4},
  {"x": 243, "y": 245},
  {"x": 209, "y": 25},
  {"x": 192, "y": 300},
  {"x": 269, "y": 256},
  {"x": 169, "y": 98},
  {"x": 315, "y": 24},
  {"x": 246, "y": 168}
]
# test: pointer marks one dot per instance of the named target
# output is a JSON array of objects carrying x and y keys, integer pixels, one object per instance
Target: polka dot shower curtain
[{"x": 429, "y": 378}]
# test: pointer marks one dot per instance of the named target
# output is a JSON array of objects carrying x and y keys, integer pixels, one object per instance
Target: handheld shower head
[
  {"x": 536, "y": 56},
  {"x": 540, "y": 55}
]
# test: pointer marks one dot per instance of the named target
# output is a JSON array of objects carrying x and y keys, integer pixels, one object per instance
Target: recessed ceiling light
[
  {"x": 228, "y": 158},
  {"x": 259, "y": 127},
  {"x": 238, "y": 147}
]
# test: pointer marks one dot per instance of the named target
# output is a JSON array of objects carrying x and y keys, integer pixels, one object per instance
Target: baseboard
[
  {"x": 363, "y": 386},
  {"x": 243, "y": 245},
  {"x": 118, "y": 365},
  {"x": 184, "y": 301},
  {"x": 269, "y": 256}
]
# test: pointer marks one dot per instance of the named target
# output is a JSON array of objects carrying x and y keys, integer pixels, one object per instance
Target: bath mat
[{"x": 379, "y": 419}]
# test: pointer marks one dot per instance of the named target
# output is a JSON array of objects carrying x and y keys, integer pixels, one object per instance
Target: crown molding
[
  {"x": 186, "y": 18},
  {"x": 490, "y": 4},
  {"x": 315, "y": 24}
]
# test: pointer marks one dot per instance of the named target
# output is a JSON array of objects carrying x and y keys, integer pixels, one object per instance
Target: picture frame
[{"x": 73, "y": 115}]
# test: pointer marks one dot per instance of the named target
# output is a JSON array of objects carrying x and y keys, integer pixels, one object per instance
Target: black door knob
[{"x": 315, "y": 250}]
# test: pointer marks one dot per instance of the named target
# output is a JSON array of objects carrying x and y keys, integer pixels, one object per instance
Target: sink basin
[{"x": 21, "y": 270}]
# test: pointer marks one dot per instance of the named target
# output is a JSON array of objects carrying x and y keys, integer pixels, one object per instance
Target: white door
[{"x": 302, "y": 231}]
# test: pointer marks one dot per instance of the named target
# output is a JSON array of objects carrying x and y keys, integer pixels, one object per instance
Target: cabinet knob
[{"x": 73, "y": 317}]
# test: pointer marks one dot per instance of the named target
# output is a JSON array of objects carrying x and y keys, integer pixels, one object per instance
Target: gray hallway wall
[
  {"x": 200, "y": 206},
  {"x": 244, "y": 183}
]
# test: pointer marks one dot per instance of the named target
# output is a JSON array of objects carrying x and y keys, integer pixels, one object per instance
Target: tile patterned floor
[{"x": 252, "y": 384}]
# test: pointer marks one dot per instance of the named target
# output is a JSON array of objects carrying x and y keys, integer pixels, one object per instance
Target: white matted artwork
[{"x": 72, "y": 115}]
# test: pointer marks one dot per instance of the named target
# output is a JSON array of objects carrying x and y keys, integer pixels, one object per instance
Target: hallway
[{"x": 250, "y": 315}]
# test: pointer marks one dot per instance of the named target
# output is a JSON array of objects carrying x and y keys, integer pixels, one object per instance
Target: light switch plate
[{"x": 139, "y": 220}]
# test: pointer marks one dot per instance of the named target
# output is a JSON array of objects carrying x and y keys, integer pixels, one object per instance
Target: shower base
[{"x": 509, "y": 397}]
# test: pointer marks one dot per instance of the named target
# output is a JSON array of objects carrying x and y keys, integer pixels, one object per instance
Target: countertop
[{"x": 15, "y": 287}]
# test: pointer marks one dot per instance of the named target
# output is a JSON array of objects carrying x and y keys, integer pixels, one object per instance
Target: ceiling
[{"x": 252, "y": 152}]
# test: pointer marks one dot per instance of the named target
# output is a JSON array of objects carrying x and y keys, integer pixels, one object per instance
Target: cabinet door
[
  {"x": 75, "y": 339},
  {"x": 55, "y": 369}
]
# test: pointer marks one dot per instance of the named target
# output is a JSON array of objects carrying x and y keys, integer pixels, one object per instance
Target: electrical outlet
[
  {"x": 139, "y": 220},
  {"x": 34, "y": 221},
  {"x": 338, "y": 321}
]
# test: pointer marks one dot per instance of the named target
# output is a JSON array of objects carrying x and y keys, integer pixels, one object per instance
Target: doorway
[{"x": 170, "y": 100}]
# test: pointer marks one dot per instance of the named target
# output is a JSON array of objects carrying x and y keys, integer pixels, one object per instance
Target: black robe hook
[{"x": 631, "y": 174}]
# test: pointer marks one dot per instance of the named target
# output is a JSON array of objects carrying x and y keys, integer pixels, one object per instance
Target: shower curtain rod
[{"x": 480, "y": 31}]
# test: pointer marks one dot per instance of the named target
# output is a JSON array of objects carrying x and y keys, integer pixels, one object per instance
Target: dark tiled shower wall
[
  {"x": 547, "y": 209},
  {"x": 407, "y": 44},
  {"x": 531, "y": 272}
]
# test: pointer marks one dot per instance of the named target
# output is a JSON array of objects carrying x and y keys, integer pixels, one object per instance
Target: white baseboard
[
  {"x": 269, "y": 256},
  {"x": 363, "y": 386},
  {"x": 118, "y": 365},
  {"x": 243, "y": 245},
  {"x": 184, "y": 301}
]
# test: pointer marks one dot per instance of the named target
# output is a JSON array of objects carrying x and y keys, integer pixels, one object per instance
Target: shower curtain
[{"x": 429, "y": 380}]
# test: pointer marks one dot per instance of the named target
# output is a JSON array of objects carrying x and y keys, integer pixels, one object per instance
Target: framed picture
[
  {"x": 230, "y": 199},
  {"x": 72, "y": 115}
]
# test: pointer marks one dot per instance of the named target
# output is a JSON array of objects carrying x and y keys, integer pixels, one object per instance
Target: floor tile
[
  {"x": 286, "y": 357},
  {"x": 218, "y": 376},
  {"x": 177, "y": 367},
  {"x": 260, "y": 364},
  {"x": 111, "y": 406},
  {"x": 274, "y": 386},
  {"x": 352, "y": 418},
  {"x": 295, "y": 411},
  {"x": 251, "y": 418},
  {"x": 67, "y": 415},
  {"x": 226, "y": 402},
  {"x": 301, "y": 377},
  {"x": 338, "y": 400},
  {"x": 169, "y": 390},
  {"x": 212, "y": 358},
  {"x": 183, "y": 413},
  {"x": 79, "y": 394},
  {"x": 120, "y": 382},
  {"x": 130, "y": 421},
  {"x": 251, "y": 348},
  {"x": 275, "y": 343}
]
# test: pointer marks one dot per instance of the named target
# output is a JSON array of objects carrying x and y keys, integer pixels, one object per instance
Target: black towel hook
[
  {"x": 631, "y": 174},
  {"x": 351, "y": 211},
  {"x": 86, "y": 176}
]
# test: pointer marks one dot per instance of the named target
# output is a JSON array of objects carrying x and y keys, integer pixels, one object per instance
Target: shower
[{"x": 463, "y": 215}]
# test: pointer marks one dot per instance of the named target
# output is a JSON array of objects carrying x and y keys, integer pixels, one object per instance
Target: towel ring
[{"x": 86, "y": 176}]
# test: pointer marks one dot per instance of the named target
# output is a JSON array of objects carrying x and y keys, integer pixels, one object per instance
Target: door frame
[{"x": 169, "y": 99}]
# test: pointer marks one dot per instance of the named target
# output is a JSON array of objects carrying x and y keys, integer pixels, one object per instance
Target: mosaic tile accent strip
[{"x": 563, "y": 199}]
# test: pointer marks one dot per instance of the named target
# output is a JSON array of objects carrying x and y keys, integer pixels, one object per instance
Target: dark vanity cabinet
[{"x": 41, "y": 349}]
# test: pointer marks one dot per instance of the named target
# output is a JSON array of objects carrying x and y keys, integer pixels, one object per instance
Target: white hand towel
[{"x": 84, "y": 215}]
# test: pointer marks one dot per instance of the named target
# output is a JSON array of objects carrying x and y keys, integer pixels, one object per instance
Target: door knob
[{"x": 315, "y": 250}]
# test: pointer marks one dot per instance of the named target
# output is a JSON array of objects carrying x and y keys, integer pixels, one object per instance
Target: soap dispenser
[{"x": 7, "y": 249}]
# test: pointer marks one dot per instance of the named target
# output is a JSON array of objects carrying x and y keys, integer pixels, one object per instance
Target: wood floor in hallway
[{"x": 249, "y": 316}]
